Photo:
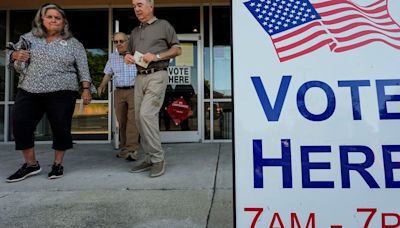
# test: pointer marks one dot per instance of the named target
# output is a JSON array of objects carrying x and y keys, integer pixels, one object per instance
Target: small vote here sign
[{"x": 179, "y": 75}]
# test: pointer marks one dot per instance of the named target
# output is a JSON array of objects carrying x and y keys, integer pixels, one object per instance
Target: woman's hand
[
  {"x": 86, "y": 96},
  {"x": 21, "y": 55}
]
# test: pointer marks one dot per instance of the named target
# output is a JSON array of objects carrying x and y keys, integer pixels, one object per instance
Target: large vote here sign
[{"x": 317, "y": 113}]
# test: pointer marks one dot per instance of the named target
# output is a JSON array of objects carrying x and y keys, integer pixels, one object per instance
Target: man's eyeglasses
[{"x": 119, "y": 41}]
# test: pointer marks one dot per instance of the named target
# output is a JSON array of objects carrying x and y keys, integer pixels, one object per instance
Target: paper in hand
[{"x": 139, "y": 59}]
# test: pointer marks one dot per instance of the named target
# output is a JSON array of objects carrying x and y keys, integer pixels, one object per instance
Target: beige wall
[{"x": 33, "y": 4}]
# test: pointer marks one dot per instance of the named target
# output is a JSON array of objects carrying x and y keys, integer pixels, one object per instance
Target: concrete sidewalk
[{"x": 98, "y": 190}]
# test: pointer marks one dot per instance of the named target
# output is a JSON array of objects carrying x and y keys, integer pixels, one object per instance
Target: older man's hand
[{"x": 129, "y": 59}]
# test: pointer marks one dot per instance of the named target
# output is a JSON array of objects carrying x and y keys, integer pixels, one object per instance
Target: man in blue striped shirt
[{"x": 123, "y": 76}]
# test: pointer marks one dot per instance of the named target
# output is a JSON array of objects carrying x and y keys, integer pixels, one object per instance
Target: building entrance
[{"x": 181, "y": 115}]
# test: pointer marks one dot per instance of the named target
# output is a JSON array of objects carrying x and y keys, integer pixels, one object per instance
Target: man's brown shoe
[
  {"x": 157, "y": 169},
  {"x": 132, "y": 156},
  {"x": 122, "y": 154}
]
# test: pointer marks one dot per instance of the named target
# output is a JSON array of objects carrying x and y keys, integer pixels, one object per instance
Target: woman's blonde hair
[{"x": 38, "y": 28}]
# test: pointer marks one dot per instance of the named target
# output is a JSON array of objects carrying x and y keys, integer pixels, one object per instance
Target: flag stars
[{"x": 279, "y": 15}]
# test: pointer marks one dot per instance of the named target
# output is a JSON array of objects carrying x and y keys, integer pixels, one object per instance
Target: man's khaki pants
[{"x": 149, "y": 97}]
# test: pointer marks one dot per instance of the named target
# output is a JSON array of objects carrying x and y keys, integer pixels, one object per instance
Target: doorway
[{"x": 181, "y": 114}]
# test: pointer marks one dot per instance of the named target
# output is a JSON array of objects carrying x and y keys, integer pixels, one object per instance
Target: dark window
[
  {"x": 2, "y": 68},
  {"x": 20, "y": 23},
  {"x": 2, "y": 54},
  {"x": 206, "y": 53},
  {"x": 126, "y": 18},
  {"x": 90, "y": 27},
  {"x": 183, "y": 19},
  {"x": 222, "y": 52},
  {"x": 2, "y": 29},
  {"x": 221, "y": 25}
]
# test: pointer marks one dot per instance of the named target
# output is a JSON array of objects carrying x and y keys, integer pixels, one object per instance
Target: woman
[{"x": 49, "y": 83}]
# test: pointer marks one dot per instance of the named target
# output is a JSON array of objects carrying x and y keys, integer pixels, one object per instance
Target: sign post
[{"x": 317, "y": 113}]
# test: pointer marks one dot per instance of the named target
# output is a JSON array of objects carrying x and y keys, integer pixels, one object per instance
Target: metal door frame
[
  {"x": 191, "y": 136},
  {"x": 178, "y": 136}
]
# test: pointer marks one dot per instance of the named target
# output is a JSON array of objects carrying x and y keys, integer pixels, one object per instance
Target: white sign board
[
  {"x": 317, "y": 113},
  {"x": 179, "y": 75}
]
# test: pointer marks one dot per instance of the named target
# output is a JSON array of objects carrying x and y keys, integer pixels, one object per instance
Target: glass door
[{"x": 181, "y": 116}]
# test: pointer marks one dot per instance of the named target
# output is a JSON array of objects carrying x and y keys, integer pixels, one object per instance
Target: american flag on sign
[{"x": 298, "y": 27}]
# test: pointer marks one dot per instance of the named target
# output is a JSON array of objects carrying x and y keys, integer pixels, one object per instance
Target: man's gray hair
[
  {"x": 151, "y": 2},
  {"x": 121, "y": 33},
  {"x": 38, "y": 28}
]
